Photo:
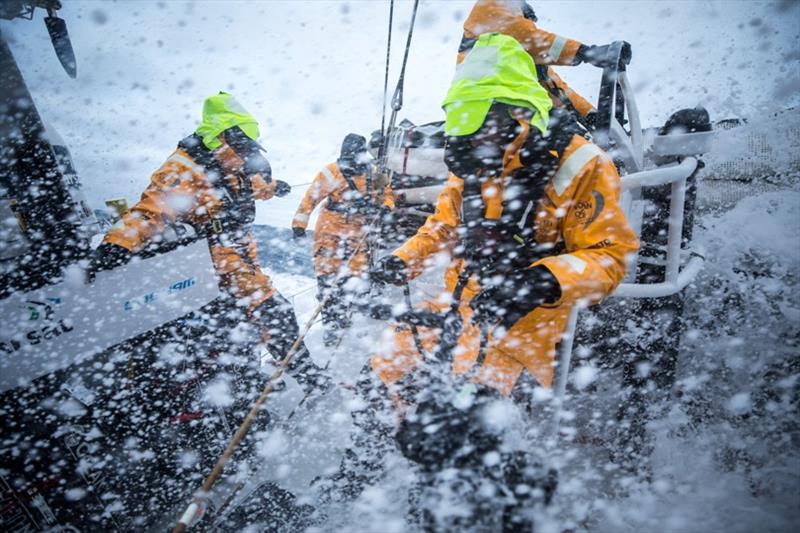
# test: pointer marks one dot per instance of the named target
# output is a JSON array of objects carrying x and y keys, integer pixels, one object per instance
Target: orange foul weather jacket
[
  {"x": 546, "y": 49},
  {"x": 579, "y": 214},
  {"x": 339, "y": 232},
  {"x": 180, "y": 191}
]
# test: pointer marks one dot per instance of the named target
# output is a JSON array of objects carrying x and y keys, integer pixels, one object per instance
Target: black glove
[
  {"x": 376, "y": 139},
  {"x": 439, "y": 430},
  {"x": 298, "y": 233},
  {"x": 515, "y": 296},
  {"x": 599, "y": 55},
  {"x": 390, "y": 269},
  {"x": 282, "y": 188},
  {"x": 106, "y": 257},
  {"x": 591, "y": 120}
]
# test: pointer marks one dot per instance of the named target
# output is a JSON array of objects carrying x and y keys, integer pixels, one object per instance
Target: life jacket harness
[
  {"x": 360, "y": 203},
  {"x": 231, "y": 225},
  {"x": 497, "y": 246}
]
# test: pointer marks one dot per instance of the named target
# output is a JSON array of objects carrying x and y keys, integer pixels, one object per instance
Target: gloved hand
[
  {"x": 106, "y": 257},
  {"x": 390, "y": 269},
  {"x": 298, "y": 233},
  {"x": 282, "y": 188},
  {"x": 443, "y": 424},
  {"x": 599, "y": 55},
  {"x": 515, "y": 296},
  {"x": 591, "y": 120},
  {"x": 376, "y": 139}
]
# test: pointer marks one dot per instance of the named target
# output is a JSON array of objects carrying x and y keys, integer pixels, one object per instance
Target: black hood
[
  {"x": 352, "y": 158},
  {"x": 353, "y": 145}
]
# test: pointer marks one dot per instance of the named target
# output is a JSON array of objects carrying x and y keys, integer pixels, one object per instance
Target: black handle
[{"x": 59, "y": 36}]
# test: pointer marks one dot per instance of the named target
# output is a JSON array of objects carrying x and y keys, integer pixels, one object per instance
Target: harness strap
[
  {"x": 345, "y": 208},
  {"x": 453, "y": 323},
  {"x": 238, "y": 207},
  {"x": 349, "y": 179},
  {"x": 362, "y": 202}
]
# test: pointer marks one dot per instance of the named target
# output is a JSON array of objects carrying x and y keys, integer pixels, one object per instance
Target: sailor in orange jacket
[
  {"x": 353, "y": 195},
  {"x": 533, "y": 225},
  {"x": 211, "y": 182},
  {"x": 517, "y": 19}
]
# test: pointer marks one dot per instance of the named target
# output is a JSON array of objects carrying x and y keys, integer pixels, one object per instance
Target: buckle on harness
[{"x": 216, "y": 225}]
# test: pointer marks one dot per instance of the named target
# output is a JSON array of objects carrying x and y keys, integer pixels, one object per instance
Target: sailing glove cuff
[
  {"x": 282, "y": 188},
  {"x": 598, "y": 56}
]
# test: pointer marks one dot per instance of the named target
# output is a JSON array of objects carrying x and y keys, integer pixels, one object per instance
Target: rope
[{"x": 310, "y": 287}]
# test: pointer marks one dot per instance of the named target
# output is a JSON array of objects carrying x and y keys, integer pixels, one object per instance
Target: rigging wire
[
  {"x": 397, "y": 97},
  {"x": 386, "y": 70}
]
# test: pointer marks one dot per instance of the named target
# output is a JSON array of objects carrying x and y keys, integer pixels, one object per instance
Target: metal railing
[{"x": 675, "y": 279}]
